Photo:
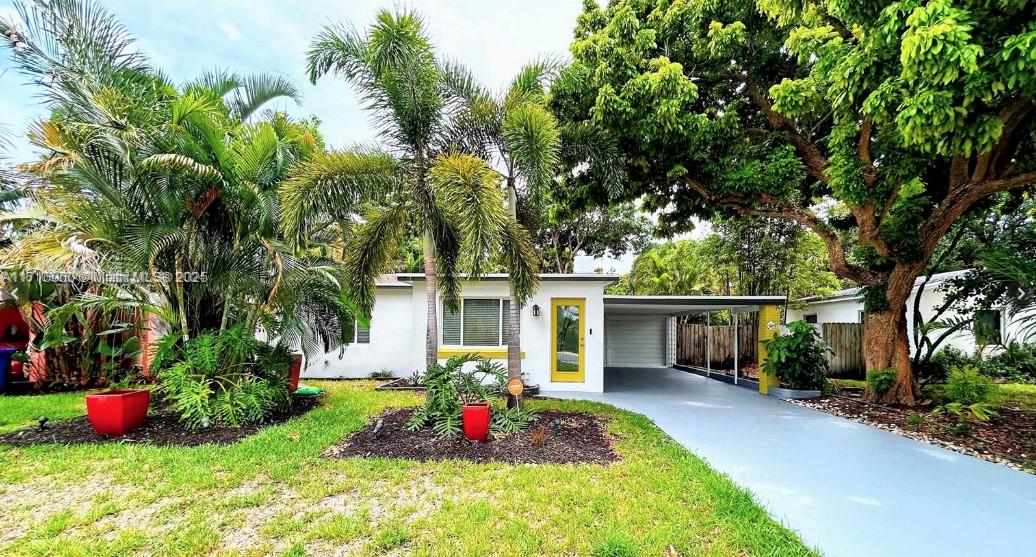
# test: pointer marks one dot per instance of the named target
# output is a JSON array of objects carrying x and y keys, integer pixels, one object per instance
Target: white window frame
[
  {"x": 816, "y": 318},
  {"x": 500, "y": 325}
]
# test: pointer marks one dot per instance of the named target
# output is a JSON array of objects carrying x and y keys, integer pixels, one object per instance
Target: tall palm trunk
[
  {"x": 431, "y": 339},
  {"x": 514, "y": 329}
]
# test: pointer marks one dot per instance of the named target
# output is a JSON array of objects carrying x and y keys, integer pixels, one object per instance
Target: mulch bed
[
  {"x": 1008, "y": 439},
  {"x": 162, "y": 428},
  {"x": 570, "y": 437}
]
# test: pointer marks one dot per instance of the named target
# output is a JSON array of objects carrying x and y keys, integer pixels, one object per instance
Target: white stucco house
[
  {"x": 846, "y": 306},
  {"x": 571, "y": 332}
]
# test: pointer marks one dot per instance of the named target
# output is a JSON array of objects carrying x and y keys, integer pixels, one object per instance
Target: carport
[{"x": 640, "y": 331}]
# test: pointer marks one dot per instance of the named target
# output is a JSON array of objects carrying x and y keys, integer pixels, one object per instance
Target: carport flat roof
[{"x": 675, "y": 305}]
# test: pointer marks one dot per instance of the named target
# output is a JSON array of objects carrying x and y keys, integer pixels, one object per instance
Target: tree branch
[
  {"x": 816, "y": 164},
  {"x": 835, "y": 250},
  {"x": 959, "y": 200},
  {"x": 1013, "y": 115}
]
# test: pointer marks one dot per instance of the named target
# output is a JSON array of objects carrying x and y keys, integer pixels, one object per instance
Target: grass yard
[
  {"x": 272, "y": 494},
  {"x": 17, "y": 412}
]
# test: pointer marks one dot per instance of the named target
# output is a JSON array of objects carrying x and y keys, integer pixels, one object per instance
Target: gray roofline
[
  {"x": 696, "y": 300},
  {"x": 583, "y": 277}
]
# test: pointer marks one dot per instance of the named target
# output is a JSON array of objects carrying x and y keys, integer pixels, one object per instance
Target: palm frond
[
  {"x": 393, "y": 68},
  {"x": 335, "y": 184},
  {"x": 519, "y": 256},
  {"x": 447, "y": 242},
  {"x": 469, "y": 192},
  {"x": 372, "y": 251},
  {"x": 531, "y": 82},
  {"x": 173, "y": 162},
  {"x": 255, "y": 90},
  {"x": 69, "y": 47},
  {"x": 532, "y": 139}
]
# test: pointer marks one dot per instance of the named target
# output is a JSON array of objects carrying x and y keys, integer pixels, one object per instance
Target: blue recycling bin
[{"x": 5, "y": 367}]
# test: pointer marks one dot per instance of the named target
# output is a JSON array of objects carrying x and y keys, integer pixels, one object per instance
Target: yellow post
[{"x": 769, "y": 327}]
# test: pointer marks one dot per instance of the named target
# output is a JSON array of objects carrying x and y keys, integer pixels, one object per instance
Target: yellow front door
[{"x": 567, "y": 343}]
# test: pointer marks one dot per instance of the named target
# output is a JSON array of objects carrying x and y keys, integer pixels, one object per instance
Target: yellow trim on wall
[
  {"x": 567, "y": 376},
  {"x": 767, "y": 315},
  {"x": 491, "y": 353}
]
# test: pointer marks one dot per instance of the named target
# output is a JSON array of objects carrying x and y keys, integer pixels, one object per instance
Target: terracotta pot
[
  {"x": 294, "y": 371},
  {"x": 116, "y": 413},
  {"x": 475, "y": 418}
]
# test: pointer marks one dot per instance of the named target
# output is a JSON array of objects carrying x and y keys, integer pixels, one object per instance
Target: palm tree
[
  {"x": 518, "y": 133},
  {"x": 453, "y": 200},
  {"x": 141, "y": 176}
]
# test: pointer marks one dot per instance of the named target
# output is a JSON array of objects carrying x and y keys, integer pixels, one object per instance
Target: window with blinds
[
  {"x": 478, "y": 322},
  {"x": 362, "y": 334}
]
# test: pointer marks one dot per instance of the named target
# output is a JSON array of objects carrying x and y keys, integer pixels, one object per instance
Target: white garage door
[{"x": 634, "y": 340}]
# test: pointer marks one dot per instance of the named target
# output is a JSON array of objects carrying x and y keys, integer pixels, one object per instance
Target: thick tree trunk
[
  {"x": 886, "y": 346},
  {"x": 431, "y": 339}
]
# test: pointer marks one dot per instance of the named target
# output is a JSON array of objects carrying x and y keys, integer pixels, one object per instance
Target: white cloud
[{"x": 231, "y": 31}]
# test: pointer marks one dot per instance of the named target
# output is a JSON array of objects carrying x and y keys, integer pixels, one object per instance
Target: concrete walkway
[{"x": 846, "y": 488}]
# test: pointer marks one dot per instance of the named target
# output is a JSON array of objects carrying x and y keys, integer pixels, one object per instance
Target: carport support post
[
  {"x": 735, "y": 345},
  {"x": 769, "y": 327},
  {"x": 708, "y": 344}
]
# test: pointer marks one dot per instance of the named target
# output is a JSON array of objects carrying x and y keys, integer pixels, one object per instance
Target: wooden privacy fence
[
  {"x": 846, "y": 342},
  {"x": 690, "y": 344},
  {"x": 845, "y": 339}
]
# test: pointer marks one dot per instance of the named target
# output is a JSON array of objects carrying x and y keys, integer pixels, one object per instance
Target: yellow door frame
[{"x": 567, "y": 376}]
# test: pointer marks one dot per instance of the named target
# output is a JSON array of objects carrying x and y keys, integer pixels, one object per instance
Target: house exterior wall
[
  {"x": 398, "y": 332},
  {"x": 848, "y": 310},
  {"x": 392, "y": 340}
]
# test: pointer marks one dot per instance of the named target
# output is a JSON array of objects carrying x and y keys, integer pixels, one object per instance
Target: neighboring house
[
  {"x": 846, "y": 306},
  {"x": 570, "y": 330}
]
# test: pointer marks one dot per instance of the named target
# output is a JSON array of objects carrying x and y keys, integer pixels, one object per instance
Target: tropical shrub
[
  {"x": 506, "y": 420},
  {"x": 225, "y": 378},
  {"x": 1016, "y": 363},
  {"x": 797, "y": 358},
  {"x": 939, "y": 365},
  {"x": 880, "y": 380},
  {"x": 449, "y": 388},
  {"x": 965, "y": 385}
]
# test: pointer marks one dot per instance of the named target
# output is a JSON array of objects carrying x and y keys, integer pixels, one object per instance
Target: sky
[{"x": 187, "y": 37}]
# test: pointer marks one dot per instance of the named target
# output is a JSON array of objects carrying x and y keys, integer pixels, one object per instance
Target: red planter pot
[
  {"x": 294, "y": 371},
  {"x": 116, "y": 413},
  {"x": 475, "y": 418}
]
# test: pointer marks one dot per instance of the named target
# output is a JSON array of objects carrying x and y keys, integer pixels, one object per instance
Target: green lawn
[
  {"x": 17, "y": 412},
  {"x": 272, "y": 494},
  {"x": 1015, "y": 395},
  {"x": 1019, "y": 395}
]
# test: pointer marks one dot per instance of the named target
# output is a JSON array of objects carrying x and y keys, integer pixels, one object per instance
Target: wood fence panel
[
  {"x": 846, "y": 342},
  {"x": 691, "y": 343}
]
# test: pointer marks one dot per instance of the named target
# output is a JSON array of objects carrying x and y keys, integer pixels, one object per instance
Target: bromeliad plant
[
  {"x": 449, "y": 388},
  {"x": 227, "y": 378}
]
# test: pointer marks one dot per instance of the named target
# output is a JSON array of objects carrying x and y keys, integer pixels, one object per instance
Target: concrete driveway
[{"x": 846, "y": 488}]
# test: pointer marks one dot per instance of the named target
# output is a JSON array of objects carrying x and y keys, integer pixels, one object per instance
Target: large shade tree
[
  {"x": 874, "y": 125},
  {"x": 421, "y": 182}
]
